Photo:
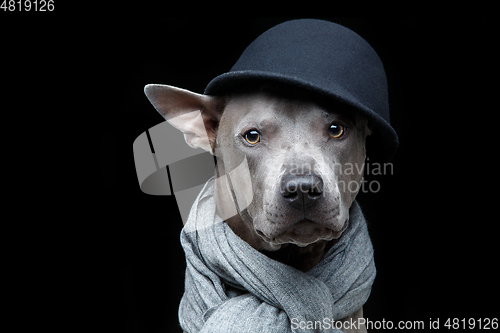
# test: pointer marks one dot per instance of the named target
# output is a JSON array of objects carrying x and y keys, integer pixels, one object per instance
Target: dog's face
[
  {"x": 305, "y": 165},
  {"x": 303, "y": 160}
]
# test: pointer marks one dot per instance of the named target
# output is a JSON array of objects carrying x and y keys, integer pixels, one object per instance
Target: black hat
[{"x": 322, "y": 57}]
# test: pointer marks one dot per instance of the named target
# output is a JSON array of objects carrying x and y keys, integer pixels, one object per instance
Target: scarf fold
[{"x": 277, "y": 295}]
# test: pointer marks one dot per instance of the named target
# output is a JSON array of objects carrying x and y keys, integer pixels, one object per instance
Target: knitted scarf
[{"x": 276, "y": 295}]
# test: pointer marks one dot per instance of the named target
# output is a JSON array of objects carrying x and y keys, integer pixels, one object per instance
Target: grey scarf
[{"x": 277, "y": 295}]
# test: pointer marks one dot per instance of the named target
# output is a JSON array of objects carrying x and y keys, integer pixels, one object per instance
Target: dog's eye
[
  {"x": 252, "y": 137},
  {"x": 336, "y": 130}
]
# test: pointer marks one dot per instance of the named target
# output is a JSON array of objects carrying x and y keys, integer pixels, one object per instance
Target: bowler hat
[{"x": 324, "y": 58}]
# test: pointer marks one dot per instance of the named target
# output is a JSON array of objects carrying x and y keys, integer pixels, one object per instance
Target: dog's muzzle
[{"x": 302, "y": 214}]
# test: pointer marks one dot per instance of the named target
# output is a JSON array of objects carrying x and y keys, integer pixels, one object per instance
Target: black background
[{"x": 435, "y": 248}]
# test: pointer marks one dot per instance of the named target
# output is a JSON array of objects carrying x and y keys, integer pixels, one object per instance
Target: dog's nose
[{"x": 301, "y": 190}]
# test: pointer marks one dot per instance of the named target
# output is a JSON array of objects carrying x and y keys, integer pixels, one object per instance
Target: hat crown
[
  {"x": 323, "y": 53},
  {"x": 320, "y": 56}
]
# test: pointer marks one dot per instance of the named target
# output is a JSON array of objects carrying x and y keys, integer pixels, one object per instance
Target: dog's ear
[
  {"x": 197, "y": 116},
  {"x": 367, "y": 125},
  {"x": 368, "y": 128}
]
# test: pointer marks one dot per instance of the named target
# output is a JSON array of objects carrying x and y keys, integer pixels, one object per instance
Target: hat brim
[{"x": 385, "y": 137}]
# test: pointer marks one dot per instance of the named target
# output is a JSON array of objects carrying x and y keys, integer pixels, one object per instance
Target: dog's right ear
[{"x": 197, "y": 116}]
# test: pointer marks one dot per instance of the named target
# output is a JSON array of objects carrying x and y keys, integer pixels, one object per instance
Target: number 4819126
[{"x": 27, "y": 5}]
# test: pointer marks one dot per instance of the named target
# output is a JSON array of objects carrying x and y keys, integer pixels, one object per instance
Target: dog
[
  {"x": 297, "y": 124},
  {"x": 292, "y": 141}
]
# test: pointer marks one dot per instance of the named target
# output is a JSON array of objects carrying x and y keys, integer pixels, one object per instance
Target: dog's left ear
[
  {"x": 197, "y": 116},
  {"x": 368, "y": 127}
]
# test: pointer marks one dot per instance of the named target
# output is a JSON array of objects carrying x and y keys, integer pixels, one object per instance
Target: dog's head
[{"x": 289, "y": 161}]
